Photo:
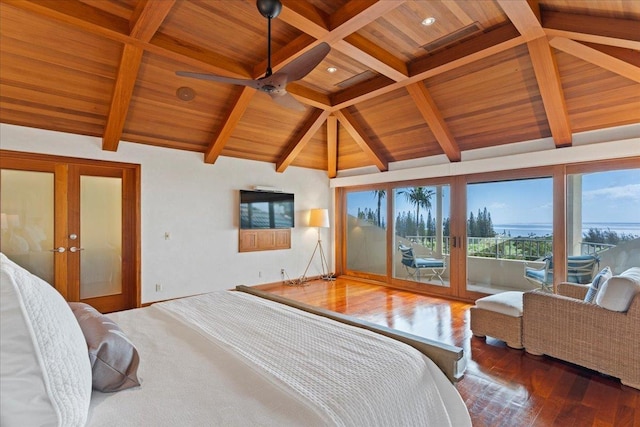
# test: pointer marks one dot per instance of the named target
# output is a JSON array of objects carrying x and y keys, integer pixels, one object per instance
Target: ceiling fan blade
[
  {"x": 286, "y": 100},
  {"x": 305, "y": 63},
  {"x": 221, "y": 79}
]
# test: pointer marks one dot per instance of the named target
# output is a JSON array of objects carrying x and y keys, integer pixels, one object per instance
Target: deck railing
[{"x": 522, "y": 248}]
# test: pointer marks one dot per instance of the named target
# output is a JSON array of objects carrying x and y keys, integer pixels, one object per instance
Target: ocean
[{"x": 525, "y": 230}]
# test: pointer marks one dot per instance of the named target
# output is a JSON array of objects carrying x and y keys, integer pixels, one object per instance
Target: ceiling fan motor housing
[{"x": 269, "y": 8}]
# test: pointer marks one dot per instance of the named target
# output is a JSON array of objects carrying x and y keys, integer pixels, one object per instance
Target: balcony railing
[{"x": 520, "y": 248}]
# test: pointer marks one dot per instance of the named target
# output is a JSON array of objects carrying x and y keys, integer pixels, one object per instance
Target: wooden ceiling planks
[{"x": 488, "y": 88}]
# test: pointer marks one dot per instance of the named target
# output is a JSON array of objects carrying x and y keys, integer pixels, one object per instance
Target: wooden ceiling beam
[
  {"x": 332, "y": 146},
  {"x": 434, "y": 119},
  {"x": 359, "y": 135},
  {"x": 593, "y": 29},
  {"x": 596, "y": 57},
  {"x": 230, "y": 122},
  {"x": 525, "y": 16},
  {"x": 488, "y": 44},
  {"x": 550, "y": 86},
  {"x": 344, "y": 23},
  {"x": 147, "y": 18},
  {"x": 310, "y": 96},
  {"x": 373, "y": 56},
  {"x": 310, "y": 127},
  {"x": 122, "y": 92}
]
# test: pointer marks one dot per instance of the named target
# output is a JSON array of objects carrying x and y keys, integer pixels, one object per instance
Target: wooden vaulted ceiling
[{"x": 487, "y": 73}]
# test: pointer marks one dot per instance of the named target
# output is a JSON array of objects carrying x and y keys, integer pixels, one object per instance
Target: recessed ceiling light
[
  {"x": 332, "y": 69},
  {"x": 185, "y": 93},
  {"x": 429, "y": 21}
]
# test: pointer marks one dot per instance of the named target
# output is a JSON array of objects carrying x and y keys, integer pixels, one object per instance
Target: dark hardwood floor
[{"x": 501, "y": 386}]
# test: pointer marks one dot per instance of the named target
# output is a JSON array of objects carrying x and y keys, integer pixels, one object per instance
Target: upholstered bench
[{"x": 499, "y": 316}]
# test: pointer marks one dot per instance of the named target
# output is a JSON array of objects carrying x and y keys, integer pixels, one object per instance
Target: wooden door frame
[{"x": 18, "y": 160}]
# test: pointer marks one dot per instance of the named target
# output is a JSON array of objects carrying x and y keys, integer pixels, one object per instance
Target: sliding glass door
[
  {"x": 603, "y": 221},
  {"x": 509, "y": 234},
  {"x": 421, "y": 234},
  {"x": 366, "y": 233}
]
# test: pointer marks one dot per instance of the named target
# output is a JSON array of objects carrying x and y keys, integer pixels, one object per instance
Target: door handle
[
  {"x": 59, "y": 250},
  {"x": 74, "y": 249}
]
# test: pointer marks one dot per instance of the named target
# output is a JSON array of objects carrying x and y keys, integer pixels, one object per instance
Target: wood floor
[{"x": 501, "y": 386}]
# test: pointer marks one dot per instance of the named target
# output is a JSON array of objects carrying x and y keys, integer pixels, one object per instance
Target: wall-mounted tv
[{"x": 266, "y": 209}]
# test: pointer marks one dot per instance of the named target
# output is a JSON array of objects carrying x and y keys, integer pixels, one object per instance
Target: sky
[{"x": 607, "y": 197}]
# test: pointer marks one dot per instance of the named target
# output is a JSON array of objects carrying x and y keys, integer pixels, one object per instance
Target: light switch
[{"x": 167, "y": 235}]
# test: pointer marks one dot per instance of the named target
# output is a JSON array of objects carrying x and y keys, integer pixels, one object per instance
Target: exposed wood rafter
[
  {"x": 596, "y": 57},
  {"x": 525, "y": 16},
  {"x": 122, "y": 92},
  {"x": 229, "y": 124},
  {"x": 294, "y": 148},
  {"x": 146, "y": 20},
  {"x": 434, "y": 119},
  {"x": 332, "y": 146},
  {"x": 359, "y": 135},
  {"x": 593, "y": 29}
]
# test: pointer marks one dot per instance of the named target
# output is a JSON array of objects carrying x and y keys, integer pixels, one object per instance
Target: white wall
[{"x": 197, "y": 204}]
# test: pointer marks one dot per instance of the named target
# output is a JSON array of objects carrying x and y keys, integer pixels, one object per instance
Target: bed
[{"x": 232, "y": 358}]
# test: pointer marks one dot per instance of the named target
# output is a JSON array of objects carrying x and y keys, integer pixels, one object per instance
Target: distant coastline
[{"x": 525, "y": 230}]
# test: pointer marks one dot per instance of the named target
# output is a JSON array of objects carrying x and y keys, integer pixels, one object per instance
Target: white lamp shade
[{"x": 319, "y": 218}]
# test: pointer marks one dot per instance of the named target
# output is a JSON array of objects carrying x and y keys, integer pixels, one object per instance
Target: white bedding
[{"x": 271, "y": 365}]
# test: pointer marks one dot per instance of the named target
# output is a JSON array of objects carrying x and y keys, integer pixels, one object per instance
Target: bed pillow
[
  {"x": 604, "y": 275},
  {"x": 44, "y": 367},
  {"x": 114, "y": 359},
  {"x": 618, "y": 292}
]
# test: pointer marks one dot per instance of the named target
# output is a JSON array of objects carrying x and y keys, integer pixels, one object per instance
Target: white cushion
[
  {"x": 508, "y": 303},
  {"x": 44, "y": 365},
  {"x": 617, "y": 293}
]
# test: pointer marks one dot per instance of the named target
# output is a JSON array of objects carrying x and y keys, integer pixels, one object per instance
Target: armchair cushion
[
  {"x": 604, "y": 275},
  {"x": 617, "y": 293}
]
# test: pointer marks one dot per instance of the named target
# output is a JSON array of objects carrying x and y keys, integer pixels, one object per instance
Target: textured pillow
[
  {"x": 114, "y": 359},
  {"x": 604, "y": 275},
  {"x": 44, "y": 368},
  {"x": 617, "y": 293}
]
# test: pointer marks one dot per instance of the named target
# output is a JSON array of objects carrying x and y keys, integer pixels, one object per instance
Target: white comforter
[{"x": 242, "y": 360}]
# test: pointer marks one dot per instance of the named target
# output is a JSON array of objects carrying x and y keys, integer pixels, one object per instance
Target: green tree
[
  {"x": 420, "y": 197},
  {"x": 379, "y": 194}
]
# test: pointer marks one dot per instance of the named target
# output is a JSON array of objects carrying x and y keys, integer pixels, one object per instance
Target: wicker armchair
[{"x": 564, "y": 326}]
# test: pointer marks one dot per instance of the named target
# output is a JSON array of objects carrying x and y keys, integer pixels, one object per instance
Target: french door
[{"x": 75, "y": 224}]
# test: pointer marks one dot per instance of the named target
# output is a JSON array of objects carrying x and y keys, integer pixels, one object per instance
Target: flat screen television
[{"x": 266, "y": 209}]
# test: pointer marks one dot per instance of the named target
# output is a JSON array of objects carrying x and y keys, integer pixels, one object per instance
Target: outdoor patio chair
[
  {"x": 428, "y": 267},
  {"x": 580, "y": 269}
]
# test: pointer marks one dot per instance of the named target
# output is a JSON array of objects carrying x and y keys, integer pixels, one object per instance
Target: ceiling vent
[
  {"x": 456, "y": 36},
  {"x": 358, "y": 78}
]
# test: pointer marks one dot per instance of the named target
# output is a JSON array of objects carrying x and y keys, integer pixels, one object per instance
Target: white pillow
[
  {"x": 617, "y": 293},
  {"x": 45, "y": 373}
]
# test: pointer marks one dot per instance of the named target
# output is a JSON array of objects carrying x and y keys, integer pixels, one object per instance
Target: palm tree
[
  {"x": 420, "y": 197},
  {"x": 379, "y": 194}
]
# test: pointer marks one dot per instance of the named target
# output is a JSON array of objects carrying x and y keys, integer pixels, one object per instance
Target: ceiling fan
[{"x": 274, "y": 84}]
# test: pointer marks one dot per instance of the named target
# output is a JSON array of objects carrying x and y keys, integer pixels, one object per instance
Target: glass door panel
[
  {"x": 26, "y": 203},
  {"x": 421, "y": 234},
  {"x": 509, "y": 235},
  {"x": 603, "y": 222},
  {"x": 101, "y": 234},
  {"x": 367, "y": 232}
]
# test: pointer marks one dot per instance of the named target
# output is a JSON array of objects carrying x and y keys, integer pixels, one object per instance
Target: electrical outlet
[
  {"x": 282, "y": 271},
  {"x": 259, "y": 273},
  {"x": 158, "y": 287}
]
